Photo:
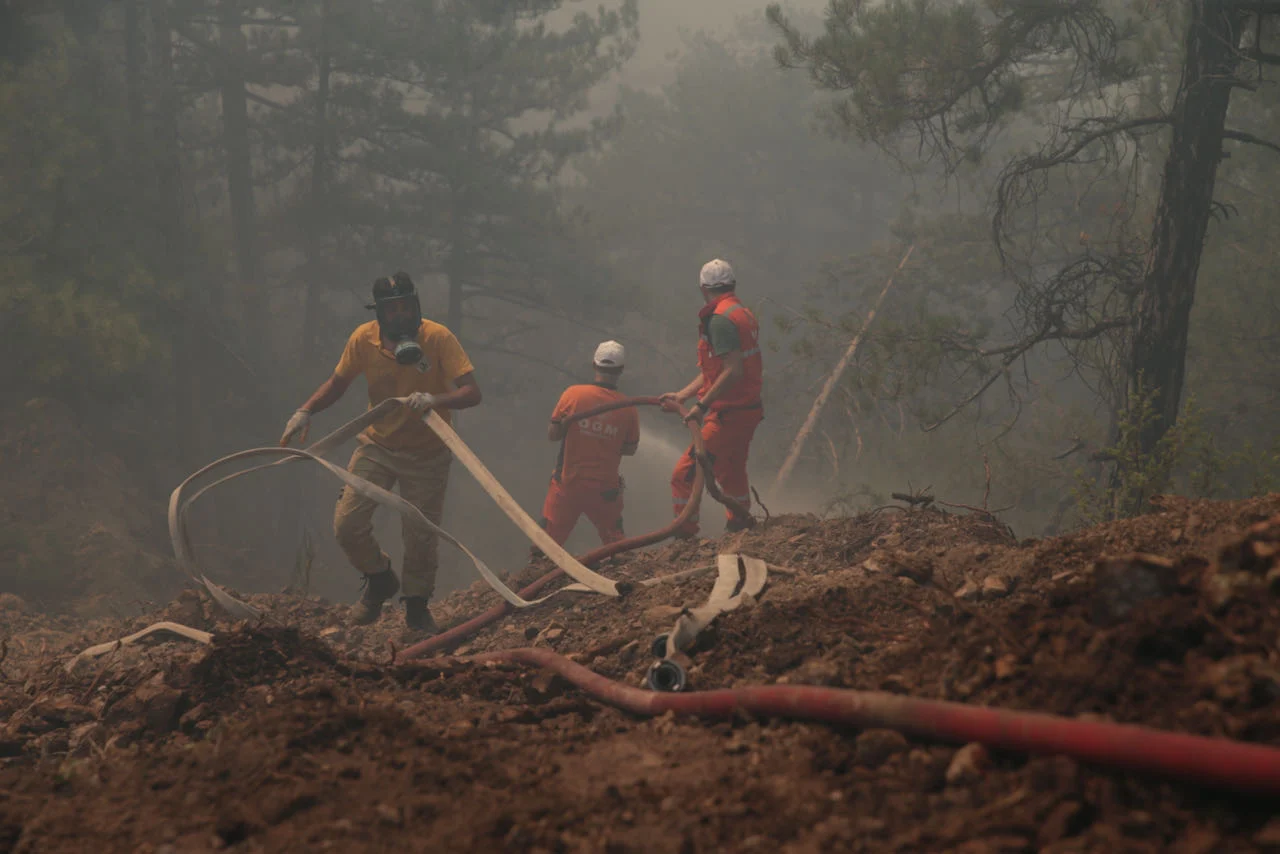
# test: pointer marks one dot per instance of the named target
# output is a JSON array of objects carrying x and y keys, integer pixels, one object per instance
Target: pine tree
[{"x": 948, "y": 78}]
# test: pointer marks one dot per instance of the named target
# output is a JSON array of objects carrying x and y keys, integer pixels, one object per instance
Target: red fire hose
[
  {"x": 702, "y": 477},
  {"x": 1218, "y": 762}
]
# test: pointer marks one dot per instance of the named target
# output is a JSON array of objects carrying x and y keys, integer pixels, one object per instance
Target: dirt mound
[{"x": 309, "y": 736}]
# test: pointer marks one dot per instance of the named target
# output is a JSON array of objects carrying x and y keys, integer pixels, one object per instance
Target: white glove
[
  {"x": 420, "y": 402},
  {"x": 298, "y": 425}
]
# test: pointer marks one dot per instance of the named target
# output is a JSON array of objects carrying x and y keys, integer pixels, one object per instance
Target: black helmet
[{"x": 403, "y": 330}]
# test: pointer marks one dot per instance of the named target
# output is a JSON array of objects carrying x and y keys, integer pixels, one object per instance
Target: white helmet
[
  {"x": 610, "y": 354},
  {"x": 716, "y": 274}
]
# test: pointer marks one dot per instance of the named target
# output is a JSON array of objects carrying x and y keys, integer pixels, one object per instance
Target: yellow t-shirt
[{"x": 443, "y": 361}]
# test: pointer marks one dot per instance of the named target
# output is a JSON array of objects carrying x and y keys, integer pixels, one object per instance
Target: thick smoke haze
[{"x": 199, "y": 195}]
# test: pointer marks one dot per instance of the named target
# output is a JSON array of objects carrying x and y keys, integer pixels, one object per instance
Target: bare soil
[{"x": 303, "y": 733}]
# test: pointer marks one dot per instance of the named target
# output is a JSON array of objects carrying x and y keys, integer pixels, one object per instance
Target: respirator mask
[{"x": 395, "y": 301}]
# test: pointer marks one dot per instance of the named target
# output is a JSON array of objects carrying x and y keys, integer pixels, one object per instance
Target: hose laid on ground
[
  {"x": 701, "y": 477},
  {"x": 1217, "y": 762},
  {"x": 693, "y": 621}
]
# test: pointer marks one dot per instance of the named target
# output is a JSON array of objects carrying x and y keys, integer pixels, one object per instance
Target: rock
[
  {"x": 545, "y": 685},
  {"x": 187, "y": 610},
  {"x": 876, "y": 564},
  {"x": 1244, "y": 679},
  {"x": 388, "y": 814},
  {"x": 1123, "y": 583},
  {"x": 85, "y": 737},
  {"x": 1006, "y": 666},
  {"x": 194, "y": 716},
  {"x": 662, "y": 613},
  {"x": 993, "y": 845},
  {"x": 1269, "y": 836},
  {"x": 1273, "y": 581},
  {"x": 1058, "y": 823},
  {"x": 56, "y": 713},
  {"x": 874, "y": 746},
  {"x": 334, "y": 632},
  {"x": 628, "y": 652},
  {"x": 11, "y": 745},
  {"x": 969, "y": 591},
  {"x": 968, "y": 765},
  {"x": 1197, "y": 839},
  {"x": 158, "y": 705},
  {"x": 816, "y": 671},
  {"x": 994, "y": 587}
]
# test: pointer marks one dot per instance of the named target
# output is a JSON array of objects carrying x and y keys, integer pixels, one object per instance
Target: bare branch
[
  {"x": 1256, "y": 7},
  {"x": 483, "y": 346},
  {"x": 1258, "y": 55},
  {"x": 1013, "y": 180},
  {"x": 1246, "y": 137},
  {"x": 1012, "y": 352}
]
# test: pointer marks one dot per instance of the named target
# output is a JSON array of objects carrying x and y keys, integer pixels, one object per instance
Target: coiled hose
[{"x": 702, "y": 478}]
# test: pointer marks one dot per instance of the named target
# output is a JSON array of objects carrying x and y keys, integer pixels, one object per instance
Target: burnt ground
[{"x": 301, "y": 733}]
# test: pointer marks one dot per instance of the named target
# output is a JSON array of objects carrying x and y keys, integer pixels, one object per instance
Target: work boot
[
  {"x": 378, "y": 588},
  {"x": 739, "y": 523},
  {"x": 417, "y": 615}
]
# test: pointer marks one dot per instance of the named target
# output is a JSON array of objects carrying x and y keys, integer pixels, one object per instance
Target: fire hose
[
  {"x": 180, "y": 503},
  {"x": 1217, "y": 762},
  {"x": 702, "y": 478}
]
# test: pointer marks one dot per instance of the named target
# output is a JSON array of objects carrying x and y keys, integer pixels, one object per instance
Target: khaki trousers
[{"x": 422, "y": 483}]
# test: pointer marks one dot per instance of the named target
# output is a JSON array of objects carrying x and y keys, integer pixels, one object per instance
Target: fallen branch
[
  {"x": 914, "y": 499},
  {"x": 763, "y": 506},
  {"x": 797, "y": 444}
]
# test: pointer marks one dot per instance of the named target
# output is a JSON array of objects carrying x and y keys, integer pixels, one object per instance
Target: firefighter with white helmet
[
  {"x": 586, "y": 479},
  {"x": 727, "y": 390}
]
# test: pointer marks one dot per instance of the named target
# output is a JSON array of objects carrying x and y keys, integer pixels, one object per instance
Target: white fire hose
[{"x": 179, "y": 505}]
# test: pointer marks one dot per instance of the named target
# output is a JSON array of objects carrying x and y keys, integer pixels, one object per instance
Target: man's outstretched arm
[{"x": 329, "y": 393}]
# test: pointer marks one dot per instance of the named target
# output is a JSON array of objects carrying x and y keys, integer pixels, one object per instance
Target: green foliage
[
  {"x": 946, "y": 75},
  {"x": 445, "y": 126},
  {"x": 1189, "y": 460},
  {"x": 1075, "y": 99},
  {"x": 77, "y": 299}
]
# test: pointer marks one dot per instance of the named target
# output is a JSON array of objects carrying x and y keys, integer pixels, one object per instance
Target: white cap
[
  {"x": 716, "y": 274},
  {"x": 610, "y": 354}
]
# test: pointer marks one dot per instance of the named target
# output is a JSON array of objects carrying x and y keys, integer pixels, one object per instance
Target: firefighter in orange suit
[
  {"x": 586, "y": 478},
  {"x": 727, "y": 388}
]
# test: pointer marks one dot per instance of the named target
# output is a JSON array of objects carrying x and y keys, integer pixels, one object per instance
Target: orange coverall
[
  {"x": 728, "y": 428},
  {"x": 586, "y": 478}
]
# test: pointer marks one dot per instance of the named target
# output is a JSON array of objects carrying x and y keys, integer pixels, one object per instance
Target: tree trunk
[
  {"x": 313, "y": 223},
  {"x": 1157, "y": 360},
  {"x": 455, "y": 266},
  {"x": 133, "y": 65},
  {"x": 188, "y": 423},
  {"x": 317, "y": 215},
  {"x": 235, "y": 139}
]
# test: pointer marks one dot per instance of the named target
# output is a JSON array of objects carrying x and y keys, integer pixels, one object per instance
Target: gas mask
[{"x": 399, "y": 316}]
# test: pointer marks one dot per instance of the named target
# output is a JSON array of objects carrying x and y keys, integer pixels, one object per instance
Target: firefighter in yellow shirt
[{"x": 401, "y": 354}]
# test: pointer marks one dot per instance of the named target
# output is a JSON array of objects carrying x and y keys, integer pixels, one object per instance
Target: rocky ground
[{"x": 301, "y": 733}]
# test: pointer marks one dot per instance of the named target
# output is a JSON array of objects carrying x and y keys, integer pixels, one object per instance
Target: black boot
[
  {"x": 418, "y": 617},
  {"x": 378, "y": 588}
]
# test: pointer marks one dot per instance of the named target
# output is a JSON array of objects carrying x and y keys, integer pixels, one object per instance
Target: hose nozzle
[{"x": 667, "y": 676}]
